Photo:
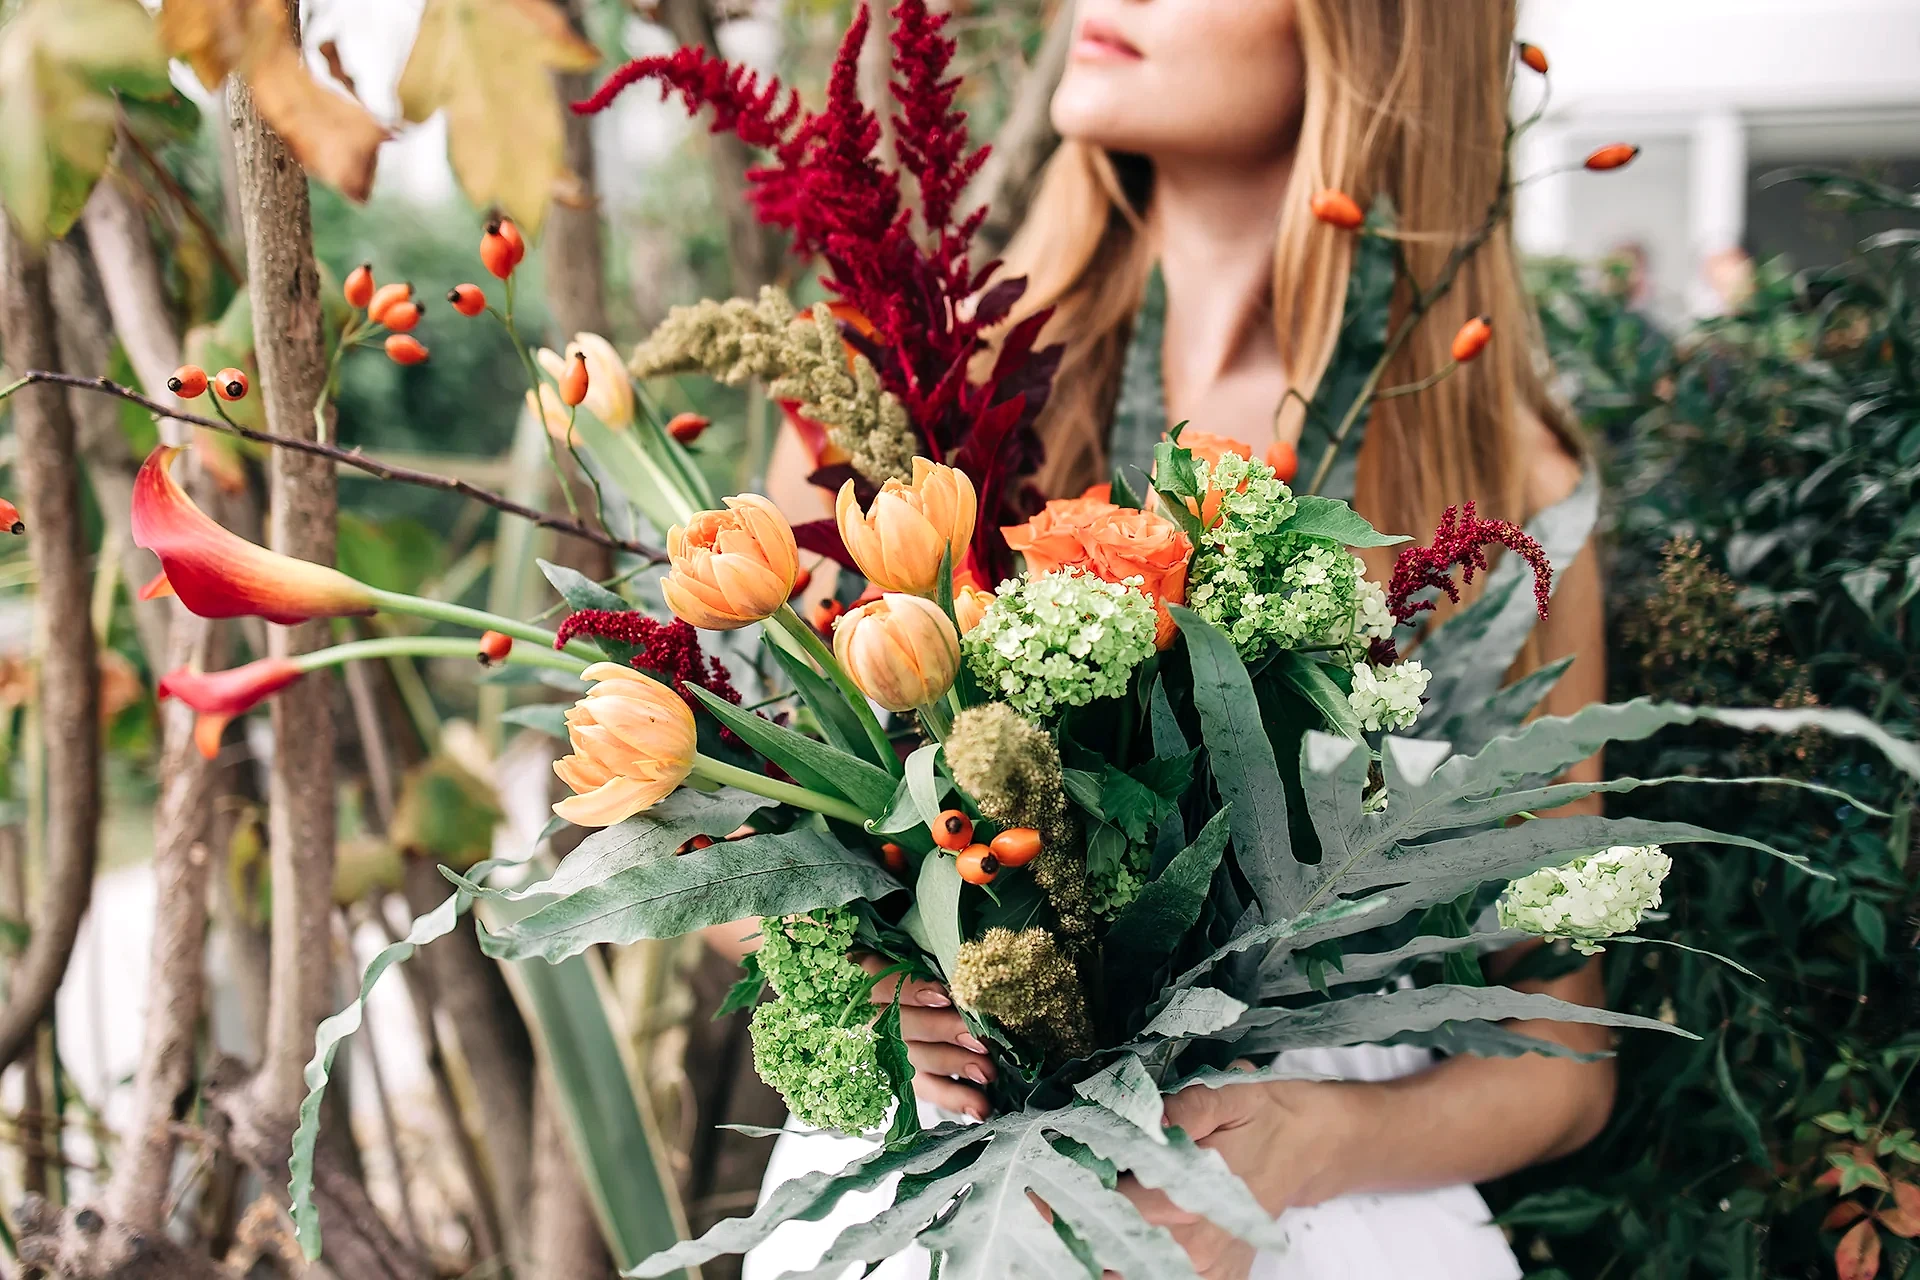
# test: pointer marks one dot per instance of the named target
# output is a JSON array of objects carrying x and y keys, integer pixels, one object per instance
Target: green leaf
[
  {"x": 1358, "y": 349},
  {"x": 1489, "y": 1040},
  {"x": 636, "y": 474},
  {"x": 1195, "y": 1011},
  {"x": 1748, "y": 1125},
  {"x": 1835, "y": 1122},
  {"x": 1242, "y": 761},
  {"x": 1335, "y": 521},
  {"x": 1140, "y": 413},
  {"x": 936, "y": 900},
  {"x": 892, "y": 1052},
  {"x": 1152, "y": 924},
  {"x": 830, "y": 707},
  {"x": 924, "y": 784},
  {"x": 1562, "y": 1211},
  {"x": 1373, "y": 1019},
  {"x": 549, "y": 718},
  {"x": 1126, "y": 1089},
  {"x": 745, "y": 993},
  {"x": 868, "y": 786},
  {"x": 1310, "y": 680},
  {"x": 1129, "y": 804},
  {"x": 644, "y": 838},
  {"x": 766, "y": 875},
  {"x": 1375, "y": 966},
  {"x": 580, "y": 591},
  {"x": 1168, "y": 776}
]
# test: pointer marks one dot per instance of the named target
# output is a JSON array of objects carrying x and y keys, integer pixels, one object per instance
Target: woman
[{"x": 1194, "y": 133}]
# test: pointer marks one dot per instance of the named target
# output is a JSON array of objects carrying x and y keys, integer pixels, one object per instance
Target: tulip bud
[
  {"x": 901, "y": 650},
  {"x": 901, "y": 542},
  {"x": 633, "y": 740},
  {"x": 969, "y": 606},
  {"x": 1615, "y": 155},
  {"x": 1337, "y": 209},
  {"x": 733, "y": 567},
  {"x": 1472, "y": 339}
]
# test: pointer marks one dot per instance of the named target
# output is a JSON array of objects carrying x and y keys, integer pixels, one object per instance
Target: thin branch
[
  {"x": 188, "y": 205},
  {"x": 348, "y": 457}
]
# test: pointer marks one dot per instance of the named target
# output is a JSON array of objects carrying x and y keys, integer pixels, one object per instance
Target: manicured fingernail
[
  {"x": 968, "y": 1040},
  {"x": 976, "y": 1072},
  {"x": 933, "y": 1000}
]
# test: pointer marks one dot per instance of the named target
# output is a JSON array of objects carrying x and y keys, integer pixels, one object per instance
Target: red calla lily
[
  {"x": 219, "y": 696},
  {"x": 219, "y": 574}
]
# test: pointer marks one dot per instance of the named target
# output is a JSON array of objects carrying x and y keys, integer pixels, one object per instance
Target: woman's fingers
[
  {"x": 916, "y": 993},
  {"x": 950, "y": 1095},
  {"x": 940, "y": 1059},
  {"x": 943, "y": 1025}
]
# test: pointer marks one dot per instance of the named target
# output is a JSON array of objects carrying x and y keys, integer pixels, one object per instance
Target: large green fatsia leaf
[
  {"x": 643, "y": 838},
  {"x": 1152, "y": 924},
  {"x": 1290, "y": 980},
  {"x": 1375, "y": 1019},
  {"x": 766, "y": 875},
  {"x": 1362, "y": 341}
]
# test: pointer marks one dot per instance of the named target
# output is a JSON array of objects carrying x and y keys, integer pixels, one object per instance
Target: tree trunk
[
  {"x": 290, "y": 346},
  {"x": 1007, "y": 182},
  {"x": 48, "y": 476}
]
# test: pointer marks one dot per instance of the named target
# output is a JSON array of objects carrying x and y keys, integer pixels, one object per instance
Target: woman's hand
[
  {"x": 1283, "y": 1138},
  {"x": 944, "y": 1053}
]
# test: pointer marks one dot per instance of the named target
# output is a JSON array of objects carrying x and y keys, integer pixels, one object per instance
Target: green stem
[
  {"x": 1414, "y": 388},
  {"x": 477, "y": 619},
  {"x": 432, "y": 647},
  {"x": 539, "y": 407},
  {"x": 935, "y": 720},
  {"x": 573, "y": 448},
  {"x": 815, "y": 648},
  {"x": 726, "y": 775}
]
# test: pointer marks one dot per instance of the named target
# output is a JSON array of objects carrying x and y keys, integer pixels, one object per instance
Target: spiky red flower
[
  {"x": 1461, "y": 542},
  {"x": 670, "y": 650}
]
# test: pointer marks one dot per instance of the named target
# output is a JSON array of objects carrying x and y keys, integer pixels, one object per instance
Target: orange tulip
[
  {"x": 219, "y": 574},
  {"x": 732, "y": 567},
  {"x": 633, "y": 743},
  {"x": 901, "y": 541},
  {"x": 970, "y": 605},
  {"x": 901, "y": 650},
  {"x": 219, "y": 696}
]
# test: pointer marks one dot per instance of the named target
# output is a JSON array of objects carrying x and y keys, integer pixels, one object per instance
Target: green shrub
[{"x": 1765, "y": 550}]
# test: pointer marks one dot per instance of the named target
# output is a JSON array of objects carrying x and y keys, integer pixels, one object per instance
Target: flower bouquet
[{"x": 1161, "y": 795}]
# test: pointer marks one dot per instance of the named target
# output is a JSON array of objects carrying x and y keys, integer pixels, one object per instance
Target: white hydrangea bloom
[
  {"x": 1388, "y": 697},
  {"x": 1372, "y": 620},
  {"x": 1590, "y": 899}
]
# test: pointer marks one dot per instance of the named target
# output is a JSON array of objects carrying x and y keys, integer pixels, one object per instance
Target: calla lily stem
[
  {"x": 809, "y": 640},
  {"x": 478, "y": 619},
  {"x": 759, "y": 784},
  {"x": 432, "y": 647}
]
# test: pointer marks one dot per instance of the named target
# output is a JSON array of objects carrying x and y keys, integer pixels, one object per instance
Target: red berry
[
  {"x": 511, "y": 234},
  {"x": 467, "y": 299},
  {"x": 404, "y": 348},
  {"x": 1284, "y": 458},
  {"x": 358, "y": 290},
  {"x": 1612, "y": 156},
  {"x": 1016, "y": 846},
  {"x": 496, "y": 253},
  {"x": 687, "y": 427},
  {"x": 1338, "y": 209},
  {"x": 573, "y": 383},
  {"x": 977, "y": 865},
  {"x": 10, "y": 518},
  {"x": 1534, "y": 57},
  {"x": 188, "y": 381},
  {"x": 894, "y": 856},
  {"x": 825, "y": 614},
  {"x": 402, "y": 315},
  {"x": 802, "y": 580},
  {"x": 494, "y": 647},
  {"x": 230, "y": 384},
  {"x": 953, "y": 830},
  {"x": 1472, "y": 339},
  {"x": 385, "y": 298}
]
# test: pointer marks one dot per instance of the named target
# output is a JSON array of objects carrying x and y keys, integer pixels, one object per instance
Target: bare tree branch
[
  {"x": 283, "y": 284},
  {"x": 69, "y": 692},
  {"x": 350, "y": 458}
]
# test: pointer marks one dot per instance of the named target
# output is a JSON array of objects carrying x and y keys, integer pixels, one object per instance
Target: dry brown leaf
[
  {"x": 488, "y": 64},
  {"x": 1857, "y": 1257},
  {"x": 330, "y": 53},
  {"x": 1903, "y": 1216},
  {"x": 333, "y": 137}
]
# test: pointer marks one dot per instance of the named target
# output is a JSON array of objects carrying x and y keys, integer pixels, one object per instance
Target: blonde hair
[{"x": 1405, "y": 97}]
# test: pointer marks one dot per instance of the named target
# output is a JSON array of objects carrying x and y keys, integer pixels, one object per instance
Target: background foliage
[{"x": 1797, "y": 582}]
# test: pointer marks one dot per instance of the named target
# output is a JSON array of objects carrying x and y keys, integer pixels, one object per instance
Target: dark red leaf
[
  {"x": 822, "y": 537},
  {"x": 1857, "y": 1257}
]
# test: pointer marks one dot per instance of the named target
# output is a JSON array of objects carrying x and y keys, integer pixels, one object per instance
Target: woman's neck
[{"x": 1213, "y": 225}]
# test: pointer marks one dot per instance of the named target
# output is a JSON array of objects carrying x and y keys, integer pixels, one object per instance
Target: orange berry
[
  {"x": 1284, "y": 458},
  {"x": 496, "y": 252},
  {"x": 1337, "y": 209},
  {"x": 494, "y": 647},
  {"x": 686, "y": 427},
  {"x": 573, "y": 383},
  {"x": 1472, "y": 339},
  {"x": 701, "y": 841},
  {"x": 825, "y": 614},
  {"x": 953, "y": 830},
  {"x": 510, "y": 232},
  {"x": 1534, "y": 57},
  {"x": 894, "y": 856},
  {"x": 402, "y": 316},
  {"x": 230, "y": 384},
  {"x": 404, "y": 348},
  {"x": 188, "y": 381},
  {"x": 385, "y": 298},
  {"x": 802, "y": 580},
  {"x": 467, "y": 299},
  {"x": 358, "y": 290},
  {"x": 1016, "y": 846},
  {"x": 977, "y": 865},
  {"x": 1615, "y": 155},
  {"x": 10, "y": 518}
]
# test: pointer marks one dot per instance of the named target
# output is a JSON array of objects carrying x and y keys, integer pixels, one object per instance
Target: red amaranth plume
[
  {"x": 667, "y": 649},
  {"x": 1461, "y": 542},
  {"x": 927, "y": 311}
]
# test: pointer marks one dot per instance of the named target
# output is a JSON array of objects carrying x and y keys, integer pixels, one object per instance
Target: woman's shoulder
[{"x": 1553, "y": 465}]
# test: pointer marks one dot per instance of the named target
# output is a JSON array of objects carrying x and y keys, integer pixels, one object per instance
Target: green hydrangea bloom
[
  {"x": 1060, "y": 640},
  {"x": 816, "y": 1043},
  {"x": 1264, "y": 587},
  {"x": 829, "y": 1074},
  {"x": 1113, "y": 889}
]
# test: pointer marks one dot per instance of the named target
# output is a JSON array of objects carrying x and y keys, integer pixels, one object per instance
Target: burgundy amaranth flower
[
  {"x": 1461, "y": 542},
  {"x": 670, "y": 650}
]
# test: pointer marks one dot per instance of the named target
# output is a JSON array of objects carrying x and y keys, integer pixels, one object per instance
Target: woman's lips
[{"x": 1099, "y": 42}]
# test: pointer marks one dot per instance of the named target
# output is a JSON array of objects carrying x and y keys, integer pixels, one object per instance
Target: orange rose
[
  {"x": 1056, "y": 538},
  {"x": 1210, "y": 449},
  {"x": 1127, "y": 544}
]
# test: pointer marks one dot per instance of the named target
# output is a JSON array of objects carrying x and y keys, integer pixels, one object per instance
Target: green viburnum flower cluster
[
  {"x": 816, "y": 1043},
  {"x": 737, "y": 340},
  {"x": 1060, "y": 640},
  {"x": 1266, "y": 588},
  {"x": 1113, "y": 889}
]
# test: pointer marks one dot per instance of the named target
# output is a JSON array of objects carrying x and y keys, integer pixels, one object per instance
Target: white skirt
[{"x": 1442, "y": 1234}]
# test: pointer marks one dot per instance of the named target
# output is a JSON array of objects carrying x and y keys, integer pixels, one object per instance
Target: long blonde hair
[{"x": 1408, "y": 97}]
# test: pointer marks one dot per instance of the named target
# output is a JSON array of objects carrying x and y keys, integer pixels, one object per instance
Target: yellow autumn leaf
[
  {"x": 331, "y": 135},
  {"x": 60, "y": 63},
  {"x": 488, "y": 64}
]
